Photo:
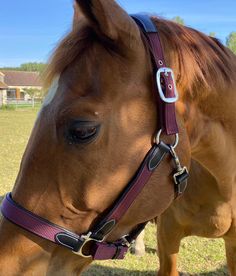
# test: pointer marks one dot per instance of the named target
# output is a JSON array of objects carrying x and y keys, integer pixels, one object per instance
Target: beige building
[
  {"x": 3, "y": 90},
  {"x": 18, "y": 82}
]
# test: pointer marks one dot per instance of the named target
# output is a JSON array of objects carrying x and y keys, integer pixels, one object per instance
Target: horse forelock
[{"x": 68, "y": 50}]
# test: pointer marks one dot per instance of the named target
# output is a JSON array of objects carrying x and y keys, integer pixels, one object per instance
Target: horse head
[{"x": 97, "y": 123}]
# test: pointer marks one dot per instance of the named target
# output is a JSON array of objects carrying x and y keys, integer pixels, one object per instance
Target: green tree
[
  {"x": 29, "y": 66},
  {"x": 212, "y": 34},
  {"x": 178, "y": 20},
  {"x": 33, "y": 66},
  {"x": 231, "y": 42}
]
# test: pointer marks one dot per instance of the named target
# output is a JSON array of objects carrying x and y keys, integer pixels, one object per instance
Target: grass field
[{"x": 197, "y": 256}]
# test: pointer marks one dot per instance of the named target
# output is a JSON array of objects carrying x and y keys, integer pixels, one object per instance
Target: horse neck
[
  {"x": 206, "y": 78},
  {"x": 210, "y": 119}
]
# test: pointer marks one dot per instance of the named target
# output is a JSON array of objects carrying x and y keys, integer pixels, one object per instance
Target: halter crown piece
[{"x": 166, "y": 95}]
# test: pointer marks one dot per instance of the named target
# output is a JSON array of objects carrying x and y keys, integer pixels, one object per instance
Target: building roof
[
  {"x": 3, "y": 85},
  {"x": 21, "y": 78}
]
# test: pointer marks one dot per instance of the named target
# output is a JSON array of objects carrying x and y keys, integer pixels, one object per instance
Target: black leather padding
[
  {"x": 157, "y": 156},
  {"x": 69, "y": 241},
  {"x": 145, "y": 22},
  {"x": 104, "y": 230}
]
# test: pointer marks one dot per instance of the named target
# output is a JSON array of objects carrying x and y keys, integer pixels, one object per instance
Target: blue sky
[{"x": 29, "y": 30}]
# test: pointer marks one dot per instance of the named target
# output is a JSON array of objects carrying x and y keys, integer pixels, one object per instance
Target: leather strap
[
  {"x": 144, "y": 21},
  {"x": 167, "y": 116},
  {"x": 35, "y": 224}
]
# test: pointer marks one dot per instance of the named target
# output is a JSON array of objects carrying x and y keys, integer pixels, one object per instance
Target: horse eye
[{"x": 82, "y": 132}]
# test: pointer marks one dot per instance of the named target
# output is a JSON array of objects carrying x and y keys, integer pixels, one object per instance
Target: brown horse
[
  {"x": 101, "y": 83},
  {"x": 97, "y": 123}
]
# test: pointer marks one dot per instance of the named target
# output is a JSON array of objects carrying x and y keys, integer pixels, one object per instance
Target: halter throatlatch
[{"x": 94, "y": 241}]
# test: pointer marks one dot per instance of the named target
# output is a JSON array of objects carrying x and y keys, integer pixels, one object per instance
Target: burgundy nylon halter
[{"x": 99, "y": 249}]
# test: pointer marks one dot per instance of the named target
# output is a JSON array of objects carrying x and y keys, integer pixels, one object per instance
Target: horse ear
[
  {"x": 78, "y": 15},
  {"x": 107, "y": 18}
]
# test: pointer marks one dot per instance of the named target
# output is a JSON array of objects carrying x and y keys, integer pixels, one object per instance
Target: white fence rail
[{"x": 24, "y": 103}]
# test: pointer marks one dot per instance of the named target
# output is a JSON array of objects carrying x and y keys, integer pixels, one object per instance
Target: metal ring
[
  {"x": 158, "y": 136},
  {"x": 176, "y": 141}
]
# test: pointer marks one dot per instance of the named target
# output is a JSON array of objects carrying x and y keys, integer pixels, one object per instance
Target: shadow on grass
[
  {"x": 150, "y": 250},
  {"x": 98, "y": 270},
  {"x": 222, "y": 271}
]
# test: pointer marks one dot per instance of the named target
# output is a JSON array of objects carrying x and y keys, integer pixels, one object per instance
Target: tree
[
  {"x": 30, "y": 67},
  {"x": 231, "y": 42},
  {"x": 212, "y": 34},
  {"x": 178, "y": 20},
  {"x": 33, "y": 66}
]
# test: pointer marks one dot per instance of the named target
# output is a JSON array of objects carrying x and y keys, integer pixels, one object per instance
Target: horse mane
[{"x": 201, "y": 61}]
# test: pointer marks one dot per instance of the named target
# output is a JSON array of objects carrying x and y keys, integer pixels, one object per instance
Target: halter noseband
[{"x": 166, "y": 95}]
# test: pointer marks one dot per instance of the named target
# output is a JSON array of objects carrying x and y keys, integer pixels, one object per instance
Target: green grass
[{"x": 197, "y": 256}]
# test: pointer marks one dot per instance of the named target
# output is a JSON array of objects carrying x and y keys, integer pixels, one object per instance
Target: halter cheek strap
[
  {"x": 165, "y": 87},
  {"x": 166, "y": 94}
]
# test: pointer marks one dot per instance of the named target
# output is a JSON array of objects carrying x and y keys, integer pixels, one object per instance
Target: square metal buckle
[{"x": 166, "y": 70}]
